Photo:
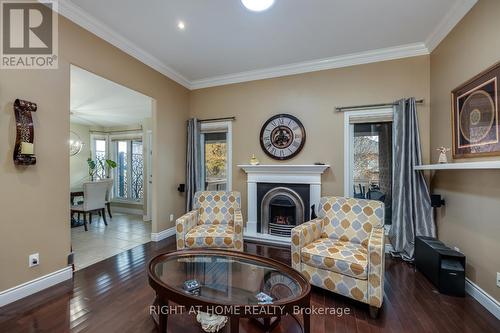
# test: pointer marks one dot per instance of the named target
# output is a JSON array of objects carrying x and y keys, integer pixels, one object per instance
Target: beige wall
[
  {"x": 312, "y": 98},
  {"x": 78, "y": 167},
  {"x": 470, "y": 219},
  {"x": 34, "y": 200}
]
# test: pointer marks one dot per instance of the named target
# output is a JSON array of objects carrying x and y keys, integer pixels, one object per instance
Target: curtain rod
[
  {"x": 370, "y": 106},
  {"x": 216, "y": 119},
  {"x": 117, "y": 131}
]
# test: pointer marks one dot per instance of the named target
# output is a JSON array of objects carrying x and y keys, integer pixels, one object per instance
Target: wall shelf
[{"x": 460, "y": 166}]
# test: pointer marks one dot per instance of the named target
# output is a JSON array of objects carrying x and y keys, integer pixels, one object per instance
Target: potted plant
[{"x": 105, "y": 165}]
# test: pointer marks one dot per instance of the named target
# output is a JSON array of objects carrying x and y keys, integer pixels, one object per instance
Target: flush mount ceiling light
[
  {"x": 257, "y": 5},
  {"x": 181, "y": 25}
]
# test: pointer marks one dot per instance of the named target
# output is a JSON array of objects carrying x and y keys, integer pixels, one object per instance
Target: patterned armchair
[
  {"x": 214, "y": 222},
  {"x": 343, "y": 249}
]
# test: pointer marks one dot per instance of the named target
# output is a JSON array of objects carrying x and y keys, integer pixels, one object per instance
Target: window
[
  {"x": 100, "y": 154},
  {"x": 100, "y": 158},
  {"x": 216, "y": 156},
  {"x": 129, "y": 173},
  {"x": 215, "y": 148}
]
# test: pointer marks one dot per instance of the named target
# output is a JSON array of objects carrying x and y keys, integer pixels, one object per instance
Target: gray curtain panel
[
  {"x": 412, "y": 214},
  {"x": 193, "y": 162}
]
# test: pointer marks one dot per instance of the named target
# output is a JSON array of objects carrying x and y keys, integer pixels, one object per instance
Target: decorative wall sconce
[
  {"x": 75, "y": 144},
  {"x": 23, "y": 150}
]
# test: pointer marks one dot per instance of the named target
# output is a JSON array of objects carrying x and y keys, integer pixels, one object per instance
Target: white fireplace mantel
[{"x": 279, "y": 173}]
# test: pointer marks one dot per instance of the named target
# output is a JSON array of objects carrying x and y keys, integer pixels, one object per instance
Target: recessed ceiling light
[
  {"x": 257, "y": 5},
  {"x": 181, "y": 25}
]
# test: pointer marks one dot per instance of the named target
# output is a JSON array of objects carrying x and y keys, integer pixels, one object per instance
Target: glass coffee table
[{"x": 220, "y": 286}]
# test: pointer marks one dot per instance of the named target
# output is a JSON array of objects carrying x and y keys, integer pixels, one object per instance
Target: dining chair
[
  {"x": 109, "y": 192},
  {"x": 94, "y": 194}
]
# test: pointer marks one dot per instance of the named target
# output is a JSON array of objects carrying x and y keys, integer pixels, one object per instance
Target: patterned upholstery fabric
[
  {"x": 350, "y": 220},
  {"x": 210, "y": 235},
  {"x": 215, "y": 222},
  {"x": 343, "y": 249},
  {"x": 216, "y": 207},
  {"x": 336, "y": 256}
]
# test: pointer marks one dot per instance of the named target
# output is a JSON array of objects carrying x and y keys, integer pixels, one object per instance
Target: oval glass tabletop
[{"x": 224, "y": 277}]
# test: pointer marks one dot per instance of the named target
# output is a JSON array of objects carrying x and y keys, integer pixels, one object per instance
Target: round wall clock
[{"x": 282, "y": 136}]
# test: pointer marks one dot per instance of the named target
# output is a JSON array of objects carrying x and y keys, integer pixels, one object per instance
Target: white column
[
  {"x": 315, "y": 195},
  {"x": 252, "y": 207}
]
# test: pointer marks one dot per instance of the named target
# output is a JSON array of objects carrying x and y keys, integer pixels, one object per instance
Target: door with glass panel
[{"x": 371, "y": 163}]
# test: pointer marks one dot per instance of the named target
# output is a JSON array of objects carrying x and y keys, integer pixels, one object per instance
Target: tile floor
[{"x": 100, "y": 242}]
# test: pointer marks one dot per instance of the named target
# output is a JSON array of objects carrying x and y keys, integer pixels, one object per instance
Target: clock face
[{"x": 282, "y": 136}]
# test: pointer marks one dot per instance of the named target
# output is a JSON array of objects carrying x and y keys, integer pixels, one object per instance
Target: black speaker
[
  {"x": 444, "y": 267},
  {"x": 437, "y": 201},
  {"x": 181, "y": 188}
]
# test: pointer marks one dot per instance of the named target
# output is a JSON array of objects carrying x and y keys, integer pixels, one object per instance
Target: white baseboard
[
  {"x": 127, "y": 210},
  {"x": 31, "y": 287},
  {"x": 158, "y": 236},
  {"x": 485, "y": 299}
]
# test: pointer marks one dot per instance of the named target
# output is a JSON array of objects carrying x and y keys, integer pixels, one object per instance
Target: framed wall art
[{"x": 475, "y": 116}]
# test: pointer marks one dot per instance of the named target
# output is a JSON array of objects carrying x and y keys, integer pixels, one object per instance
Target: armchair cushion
[
  {"x": 206, "y": 235},
  {"x": 340, "y": 257},
  {"x": 217, "y": 207}
]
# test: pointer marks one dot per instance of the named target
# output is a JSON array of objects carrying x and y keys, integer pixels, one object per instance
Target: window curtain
[
  {"x": 193, "y": 162},
  {"x": 412, "y": 214},
  {"x": 385, "y": 167}
]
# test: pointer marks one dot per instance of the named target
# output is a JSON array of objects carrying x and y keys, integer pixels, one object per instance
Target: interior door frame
[{"x": 372, "y": 116}]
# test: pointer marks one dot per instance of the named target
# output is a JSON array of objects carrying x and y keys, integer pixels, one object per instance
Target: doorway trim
[{"x": 371, "y": 116}]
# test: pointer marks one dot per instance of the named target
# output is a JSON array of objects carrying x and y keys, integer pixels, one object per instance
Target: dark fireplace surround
[{"x": 280, "y": 207}]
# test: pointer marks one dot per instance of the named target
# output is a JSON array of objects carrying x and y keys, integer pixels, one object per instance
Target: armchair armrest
[
  {"x": 238, "y": 230},
  {"x": 376, "y": 262},
  {"x": 302, "y": 235},
  {"x": 182, "y": 225}
]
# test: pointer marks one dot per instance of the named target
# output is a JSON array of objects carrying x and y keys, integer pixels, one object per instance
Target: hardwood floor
[{"x": 114, "y": 296}]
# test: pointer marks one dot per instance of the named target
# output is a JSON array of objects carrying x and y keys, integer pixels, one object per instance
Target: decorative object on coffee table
[
  {"x": 476, "y": 117},
  {"x": 211, "y": 323},
  {"x": 25, "y": 133},
  {"x": 442, "y": 154},
  {"x": 282, "y": 137},
  {"x": 250, "y": 275}
]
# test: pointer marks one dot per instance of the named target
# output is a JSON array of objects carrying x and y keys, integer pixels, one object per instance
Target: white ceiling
[
  {"x": 225, "y": 43},
  {"x": 99, "y": 102}
]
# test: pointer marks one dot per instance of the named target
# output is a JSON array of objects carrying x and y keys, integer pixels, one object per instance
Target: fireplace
[
  {"x": 304, "y": 190},
  {"x": 282, "y": 207}
]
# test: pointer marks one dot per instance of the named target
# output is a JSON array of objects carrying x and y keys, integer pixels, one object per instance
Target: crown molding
[
  {"x": 449, "y": 21},
  {"x": 391, "y": 53},
  {"x": 88, "y": 22}
]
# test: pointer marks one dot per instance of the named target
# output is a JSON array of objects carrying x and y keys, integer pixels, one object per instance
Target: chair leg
[
  {"x": 78, "y": 216},
  {"x": 109, "y": 209},
  {"x": 103, "y": 211},
  {"x": 85, "y": 221},
  {"x": 374, "y": 312},
  {"x": 90, "y": 218}
]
